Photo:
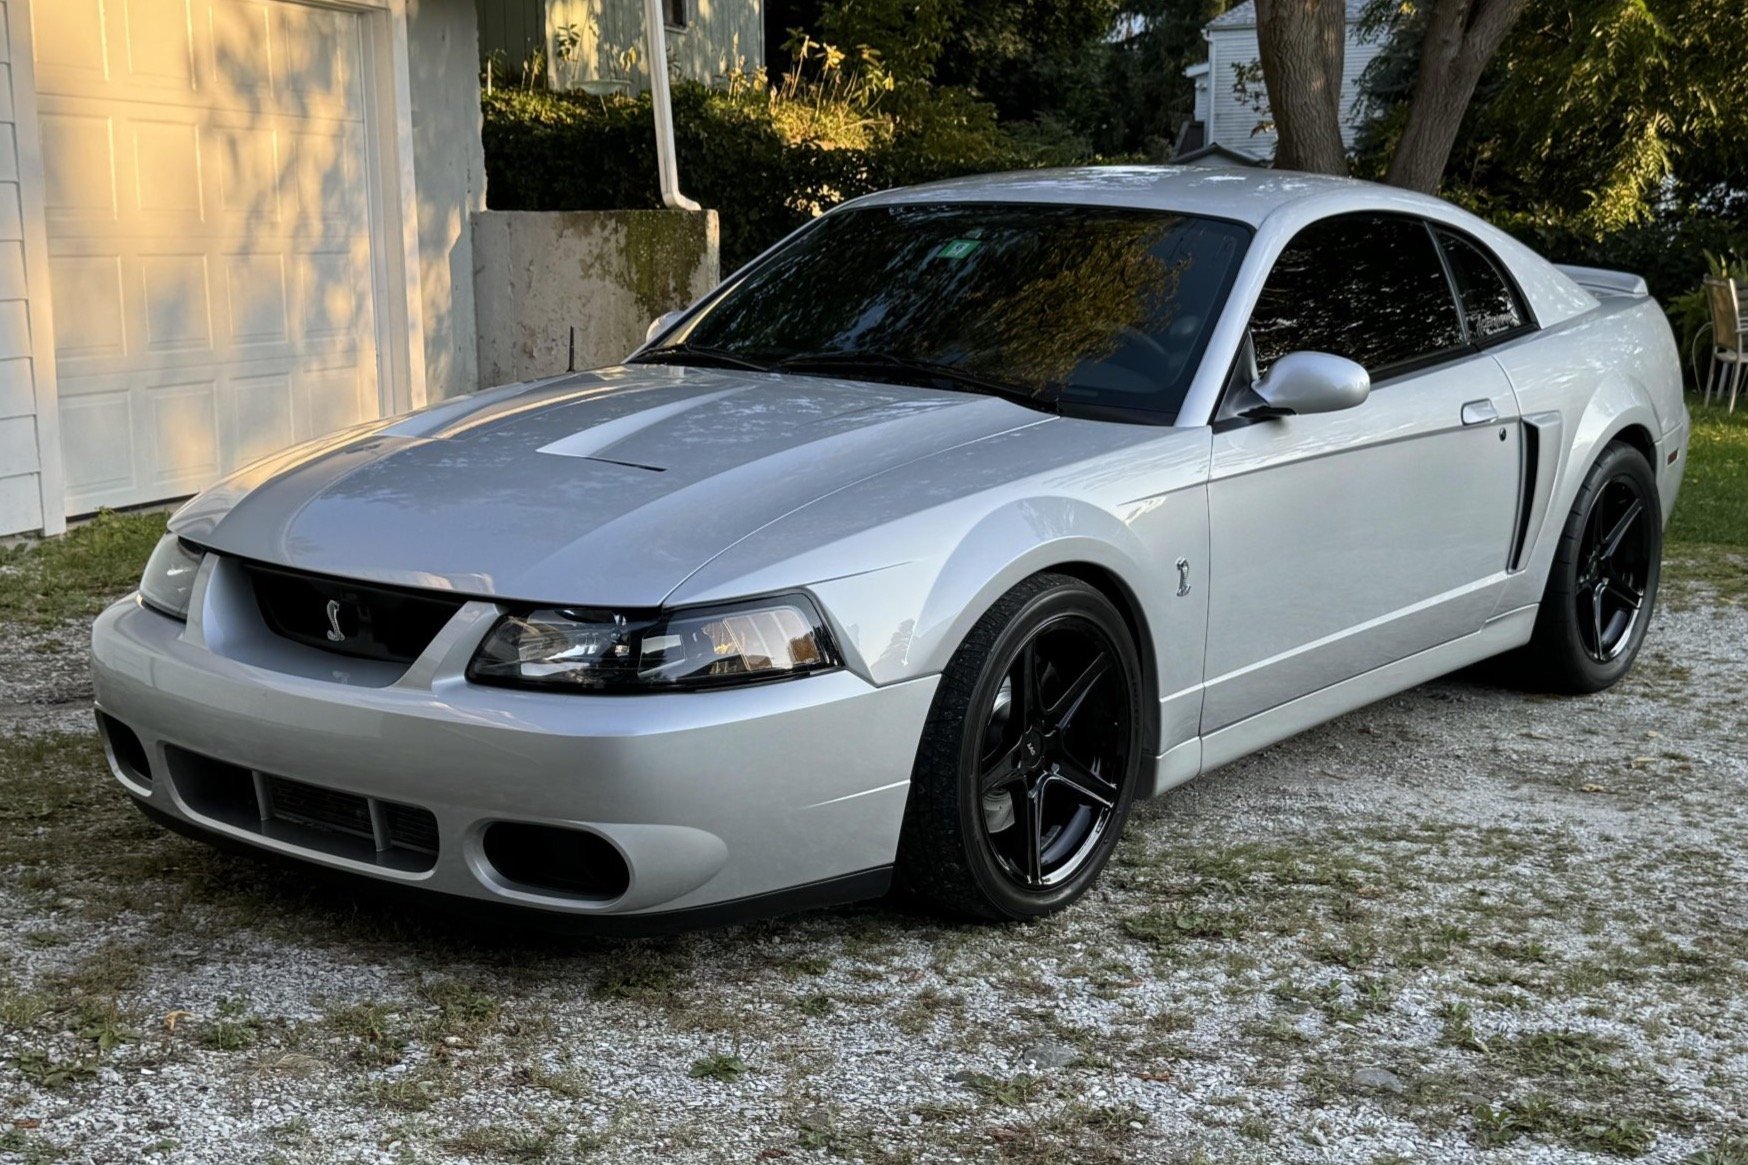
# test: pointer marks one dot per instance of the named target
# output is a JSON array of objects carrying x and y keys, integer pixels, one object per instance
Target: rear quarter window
[{"x": 1490, "y": 304}]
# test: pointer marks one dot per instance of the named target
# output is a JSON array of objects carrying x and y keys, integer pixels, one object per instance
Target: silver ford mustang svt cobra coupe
[{"x": 913, "y": 554}]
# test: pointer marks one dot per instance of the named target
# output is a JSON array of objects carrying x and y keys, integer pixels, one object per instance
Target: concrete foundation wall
[
  {"x": 449, "y": 173},
  {"x": 607, "y": 273}
]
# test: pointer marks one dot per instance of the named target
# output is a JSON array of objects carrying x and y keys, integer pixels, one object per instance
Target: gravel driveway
[{"x": 1463, "y": 924}]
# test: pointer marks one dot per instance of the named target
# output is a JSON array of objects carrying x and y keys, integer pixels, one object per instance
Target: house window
[{"x": 674, "y": 13}]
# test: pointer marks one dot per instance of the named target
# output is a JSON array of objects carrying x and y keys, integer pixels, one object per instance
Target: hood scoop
[{"x": 594, "y": 442}]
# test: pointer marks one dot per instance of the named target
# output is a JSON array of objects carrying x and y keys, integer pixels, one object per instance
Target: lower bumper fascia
[{"x": 842, "y": 890}]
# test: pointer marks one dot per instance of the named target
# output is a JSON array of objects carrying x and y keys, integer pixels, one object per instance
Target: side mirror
[
  {"x": 661, "y": 323},
  {"x": 1311, "y": 382}
]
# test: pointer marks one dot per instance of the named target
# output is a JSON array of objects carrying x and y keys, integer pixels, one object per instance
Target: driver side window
[{"x": 1370, "y": 287}]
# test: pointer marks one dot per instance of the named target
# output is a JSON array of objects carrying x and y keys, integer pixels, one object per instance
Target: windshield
[{"x": 1087, "y": 309}]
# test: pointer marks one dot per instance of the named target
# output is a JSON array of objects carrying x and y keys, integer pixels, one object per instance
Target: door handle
[{"x": 1479, "y": 412}]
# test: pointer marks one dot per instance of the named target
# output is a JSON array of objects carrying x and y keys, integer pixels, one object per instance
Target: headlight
[
  {"x": 169, "y": 579},
  {"x": 702, "y": 647}
]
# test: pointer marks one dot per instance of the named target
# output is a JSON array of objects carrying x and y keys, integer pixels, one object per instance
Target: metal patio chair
[{"x": 1729, "y": 337}]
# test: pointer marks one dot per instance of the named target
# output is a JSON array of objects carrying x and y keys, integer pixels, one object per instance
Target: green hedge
[{"x": 562, "y": 151}]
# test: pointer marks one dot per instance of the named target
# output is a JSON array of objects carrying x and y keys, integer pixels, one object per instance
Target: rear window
[
  {"x": 1090, "y": 307},
  {"x": 1370, "y": 287}
]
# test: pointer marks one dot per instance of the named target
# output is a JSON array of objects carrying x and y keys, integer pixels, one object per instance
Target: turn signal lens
[
  {"x": 609, "y": 651},
  {"x": 168, "y": 584}
]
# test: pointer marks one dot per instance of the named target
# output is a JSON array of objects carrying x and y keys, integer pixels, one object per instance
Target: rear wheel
[
  {"x": 1603, "y": 584},
  {"x": 1030, "y": 757}
]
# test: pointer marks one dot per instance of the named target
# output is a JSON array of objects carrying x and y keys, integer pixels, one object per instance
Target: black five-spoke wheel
[
  {"x": 1050, "y": 778},
  {"x": 1602, "y": 585},
  {"x": 1613, "y": 571},
  {"x": 1030, "y": 757}
]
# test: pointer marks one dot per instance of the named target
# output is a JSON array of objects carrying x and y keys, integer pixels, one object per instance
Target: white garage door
[{"x": 210, "y": 228}]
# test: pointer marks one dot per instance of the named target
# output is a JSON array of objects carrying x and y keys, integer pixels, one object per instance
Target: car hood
[{"x": 605, "y": 488}]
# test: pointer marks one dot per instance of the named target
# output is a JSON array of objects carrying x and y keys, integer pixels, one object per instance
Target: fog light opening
[
  {"x": 126, "y": 751},
  {"x": 553, "y": 860}
]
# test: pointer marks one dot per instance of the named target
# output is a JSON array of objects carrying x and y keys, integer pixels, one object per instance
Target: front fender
[
  {"x": 905, "y": 564},
  {"x": 1008, "y": 546}
]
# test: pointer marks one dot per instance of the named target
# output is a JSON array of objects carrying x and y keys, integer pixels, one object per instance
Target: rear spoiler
[{"x": 1599, "y": 281}]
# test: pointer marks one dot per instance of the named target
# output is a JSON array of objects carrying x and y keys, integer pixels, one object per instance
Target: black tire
[
  {"x": 954, "y": 854},
  {"x": 1576, "y": 648}
]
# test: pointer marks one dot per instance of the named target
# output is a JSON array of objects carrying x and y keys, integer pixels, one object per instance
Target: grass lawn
[
  {"x": 48, "y": 582},
  {"x": 1714, "y": 494},
  {"x": 56, "y": 579}
]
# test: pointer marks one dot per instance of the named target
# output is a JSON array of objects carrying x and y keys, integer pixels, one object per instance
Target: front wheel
[
  {"x": 1030, "y": 758},
  {"x": 1603, "y": 584}
]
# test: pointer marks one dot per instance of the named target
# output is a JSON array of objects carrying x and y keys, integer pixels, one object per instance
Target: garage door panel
[
  {"x": 78, "y": 167},
  {"x": 72, "y": 44},
  {"x": 210, "y": 238},
  {"x": 334, "y": 398},
  {"x": 177, "y": 303},
  {"x": 315, "y": 62},
  {"x": 326, "y": 176},
  {"x": 166, "y": 171},
  {"x": 182, "y": 423},
  {"x": 260, "y": 416},
  {"x": 97, "y": 444},
  {"x": 87, "y": 297},
  {"x": 242, "y": 66},
  {"x": 331, "y": 307},
  {"x": 159, "y": 38},
  {"x": 247, "y": 162},
  {"x": 256, "y": 303}
]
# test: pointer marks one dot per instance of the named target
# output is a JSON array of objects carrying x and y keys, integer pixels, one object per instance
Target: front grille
[
  {"x": 319, "y": 808},
  {"x": 410, "y": 828},
  {"x": 349, "y": 618},
  {"x": 347, "y": 825}
]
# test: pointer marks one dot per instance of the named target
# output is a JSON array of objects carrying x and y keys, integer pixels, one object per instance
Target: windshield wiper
[
  {"x": 884, "y": 365},
  {"x": 698, "y": 354}
]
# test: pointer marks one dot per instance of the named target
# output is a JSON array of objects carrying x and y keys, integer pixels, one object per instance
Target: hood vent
[{"x": 628, "y": 464}]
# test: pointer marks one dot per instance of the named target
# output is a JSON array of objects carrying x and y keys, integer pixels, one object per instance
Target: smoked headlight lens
[
  {"x": 607, "y": 651},
  {"x": 168, "y": 583}
]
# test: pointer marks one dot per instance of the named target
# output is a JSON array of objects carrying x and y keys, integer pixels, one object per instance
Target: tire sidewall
[{"x": 1071, "y": 599}]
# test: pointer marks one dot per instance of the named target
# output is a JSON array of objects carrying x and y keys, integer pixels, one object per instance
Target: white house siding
[
  {"x": 720, "y": 36},
  {"x": 21, "y": 462},
  {"x": 1233, "y": 122}
]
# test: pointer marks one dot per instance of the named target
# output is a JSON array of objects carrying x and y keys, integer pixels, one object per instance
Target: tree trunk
[
  {"x": 1461, "y": 37},
  {"x": 1301, "y": 43}
]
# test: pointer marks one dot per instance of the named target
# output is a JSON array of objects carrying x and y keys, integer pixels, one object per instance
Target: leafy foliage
[
  {"x": 747, "y": 152},
  {"x": 1146, "y": 95},
  {"x": 1606, "y": 132}
]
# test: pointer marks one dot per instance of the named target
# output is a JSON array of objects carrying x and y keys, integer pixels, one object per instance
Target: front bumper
[{"x": 710, "y": 798}]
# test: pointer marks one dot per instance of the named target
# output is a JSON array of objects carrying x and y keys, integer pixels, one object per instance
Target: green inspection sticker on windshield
[{"x": 958, "y": 248}]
